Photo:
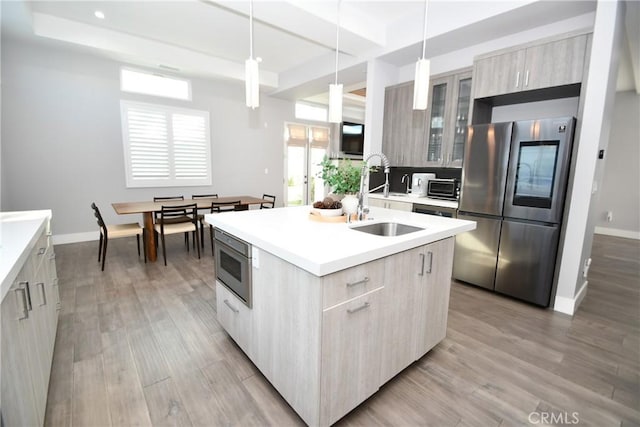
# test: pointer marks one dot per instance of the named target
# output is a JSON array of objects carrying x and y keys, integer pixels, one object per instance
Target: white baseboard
[
  {"x": 570, "y": 305},
  {"x": 618, "y": 232},
  {"x": 61, "y": 239}
]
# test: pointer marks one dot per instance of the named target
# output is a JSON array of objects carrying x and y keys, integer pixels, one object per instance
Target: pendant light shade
[
  {"x": 251, "y": 71},
  {"x": 252, "y": 83},
  {"x": 423, "y": 69},
  {"x": 335, "y": 90},
  {"x": 335, "y": 103},
  {"x": 421, "y": 84}
]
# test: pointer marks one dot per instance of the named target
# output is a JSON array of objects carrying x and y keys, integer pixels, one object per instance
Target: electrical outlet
[
  {"x": 585, "y": 269},
  {"x": 609, "y": 216}
]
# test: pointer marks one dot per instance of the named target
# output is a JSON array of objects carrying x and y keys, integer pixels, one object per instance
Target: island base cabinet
[
  {"x": 416, "y": 295},
  {"x": 350, "y": 355},
  {"x": 234, "y": 317}
]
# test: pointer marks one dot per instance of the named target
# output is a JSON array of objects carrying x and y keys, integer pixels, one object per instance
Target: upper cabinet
[
  {"x": 550, "y": 64},
  {"x": 448, "y": 119},
  {"x": 434, "y": 137},
  {"x": 403, "y": 127}
]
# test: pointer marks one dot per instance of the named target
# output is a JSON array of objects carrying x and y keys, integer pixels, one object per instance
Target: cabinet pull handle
[
  {"x": 228, "y": 304},
  {"x": 355, "y": 310},
  {"x": 421, "y": 268},
  {"x": 28, "y": 292},
  {"x": 44, "y": 296},
  {"x": 57, "y": 285},
  {"x": 517, "y": 79},
  {"x": 350, "y": 284},
  {"x": 526, "y": 79},
  {"x": 25, "y": 311},
  {"x": 52, "y": 256},
  {"x": 41, "y": 251},
  {"x": 430, "y": 254}
]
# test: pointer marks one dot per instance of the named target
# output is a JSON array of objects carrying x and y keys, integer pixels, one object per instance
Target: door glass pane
[
  {"x": 535, "y": 174},
  {"x": 316, "y": 184},
  {"x": 462, "y": 119},
  {"x": 439, "y": 95},
  {"x": 296, "y": 179}
]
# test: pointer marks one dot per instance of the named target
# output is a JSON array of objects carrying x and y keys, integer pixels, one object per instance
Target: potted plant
[{"x": 342, "y": 178}]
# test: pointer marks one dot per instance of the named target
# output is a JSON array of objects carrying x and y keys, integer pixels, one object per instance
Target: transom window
[{"x": 165, "y": 146}]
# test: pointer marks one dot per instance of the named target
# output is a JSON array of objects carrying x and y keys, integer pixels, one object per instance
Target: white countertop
[
  {"x": 322, "y": 247},
  {"x": 409, "y": 198},
  {"x": 19, "y": 232}
]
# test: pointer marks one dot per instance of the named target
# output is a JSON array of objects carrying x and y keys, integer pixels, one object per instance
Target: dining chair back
[
  {"x": 178, "y": 219},
  {"x": 115, "y": 231},
  {"x": 201, "y": 216},
  {"x": 219, "y": 207},
  {"x": 269, "y": 203}
]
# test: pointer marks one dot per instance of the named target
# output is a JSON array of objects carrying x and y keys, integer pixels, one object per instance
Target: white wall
[
  {"x": 620, "y": 188},
  {"x": 62, "y": 142},
  {"x": 593, "y": 135}
]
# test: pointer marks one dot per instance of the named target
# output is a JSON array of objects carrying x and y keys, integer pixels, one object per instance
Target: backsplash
[{"x": 396, "y": 173}]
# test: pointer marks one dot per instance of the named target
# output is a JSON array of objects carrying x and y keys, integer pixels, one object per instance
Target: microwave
[{"x": 447, "y": 189}]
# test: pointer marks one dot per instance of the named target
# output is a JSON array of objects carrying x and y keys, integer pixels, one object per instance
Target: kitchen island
[{"x": 335, "y": 312}]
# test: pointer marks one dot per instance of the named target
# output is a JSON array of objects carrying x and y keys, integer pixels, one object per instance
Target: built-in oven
[
  {"x": 233, "y": 264},
  {"x": 446, "y": 189}
]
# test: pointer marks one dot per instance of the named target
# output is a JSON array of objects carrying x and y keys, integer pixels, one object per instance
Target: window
[
  {"x": 310, "y": 112},
  {"x": 154, "y": 84},
  {"x": 165, "y": 146}
]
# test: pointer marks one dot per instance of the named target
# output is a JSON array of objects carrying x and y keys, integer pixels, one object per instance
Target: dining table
[{"x": 148, "y": 208}]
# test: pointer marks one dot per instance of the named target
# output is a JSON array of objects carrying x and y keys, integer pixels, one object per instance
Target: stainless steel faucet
[
  {"x": 363, "y": 175},
  {"x": 405, "y": 177}
]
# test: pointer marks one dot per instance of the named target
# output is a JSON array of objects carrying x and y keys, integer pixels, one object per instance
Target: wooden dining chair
[
  {"x": 219, "y": 207},
  {"x": 178, "y": 219},
  {"x": 201, "y": 216},
  {"x": 269, "y": 203},
  {"x": 115, "y": 231},
  {"x": 156, "y": 215}
]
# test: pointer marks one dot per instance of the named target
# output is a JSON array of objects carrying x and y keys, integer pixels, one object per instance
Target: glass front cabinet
[{"x": 447, "y": 119}]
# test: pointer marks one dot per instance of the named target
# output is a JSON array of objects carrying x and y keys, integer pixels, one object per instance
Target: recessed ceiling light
[{"x": 99, "y": 14}]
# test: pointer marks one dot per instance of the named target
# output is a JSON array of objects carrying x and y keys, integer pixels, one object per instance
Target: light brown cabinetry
[
  {"x": 321, "y": 341},
  {"x": 549, "y": 64},
  {"x": 391, "y": 204},
  {"x": 434, "y": 137},
  {"x": 417, "y": 285},
  {"x": 29, "y": 322},
  {"x": 403, "y": 129}
]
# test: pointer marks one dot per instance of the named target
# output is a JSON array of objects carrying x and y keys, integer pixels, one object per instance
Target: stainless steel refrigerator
[{"x": 514, "y": 181}]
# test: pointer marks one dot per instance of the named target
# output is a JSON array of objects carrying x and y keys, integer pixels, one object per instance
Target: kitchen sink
[{"x": 387, "y": 229}]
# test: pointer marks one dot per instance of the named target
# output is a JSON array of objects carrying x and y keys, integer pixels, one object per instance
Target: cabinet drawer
[
  {"x": 352, "y": 282},
  {"x": 234, "y": 316}
]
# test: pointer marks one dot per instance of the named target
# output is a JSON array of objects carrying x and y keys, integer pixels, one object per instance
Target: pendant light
[
  {"x": 252, "y": 78},
  {"x": 421, "y": 83},
  {"x": 335, "y": 90}
]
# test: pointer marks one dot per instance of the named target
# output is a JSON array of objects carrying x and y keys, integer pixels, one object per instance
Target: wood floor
[{"x": 140, "y": 345}]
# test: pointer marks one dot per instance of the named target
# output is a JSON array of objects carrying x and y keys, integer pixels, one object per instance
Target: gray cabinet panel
[
  {"x": 555, "y": 64},
  {"x": 498, "y": 74}
]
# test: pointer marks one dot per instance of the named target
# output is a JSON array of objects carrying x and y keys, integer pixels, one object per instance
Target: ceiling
[{"x": 294, "y": 39}]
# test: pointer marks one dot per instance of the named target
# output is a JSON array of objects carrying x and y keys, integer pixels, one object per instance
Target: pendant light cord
[
  {"x": 424, "y": 30},
  {"x": 251, "y": 29},
  {"x": 337, "y": 39}
]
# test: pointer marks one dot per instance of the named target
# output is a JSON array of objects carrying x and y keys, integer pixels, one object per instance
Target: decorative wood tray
[{"x": 335, "y": 219}]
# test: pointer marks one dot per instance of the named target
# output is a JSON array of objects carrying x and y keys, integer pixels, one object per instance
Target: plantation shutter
[{"x": 165, "y": 146}]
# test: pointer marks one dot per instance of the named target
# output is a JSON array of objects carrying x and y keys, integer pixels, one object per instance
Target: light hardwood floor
[{"x": 140, "y": 345}]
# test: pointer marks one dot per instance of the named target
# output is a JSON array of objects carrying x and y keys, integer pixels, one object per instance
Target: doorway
[{"x": 306, "y": 146}]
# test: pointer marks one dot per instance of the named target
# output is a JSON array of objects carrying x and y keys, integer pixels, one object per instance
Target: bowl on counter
[{"x": 327, "y": 212}]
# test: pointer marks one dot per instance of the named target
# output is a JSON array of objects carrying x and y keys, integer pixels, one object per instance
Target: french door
[{"x": 305, "y": 148}]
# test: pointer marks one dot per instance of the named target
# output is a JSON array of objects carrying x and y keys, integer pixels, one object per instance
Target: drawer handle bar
[
  {"x": 228, "y": 304},
  {"x": 25, "y": 312},
  {"x": 41, "y": 251},
  {"x": 44, "y": 296},
  {"x": 25, "y": 286},
  {"x": 422, "y": 267},
  {"x": 355, "y": 310},
  {"x": 350, "y": 284},
  {"x": 430, "y": 254}
]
